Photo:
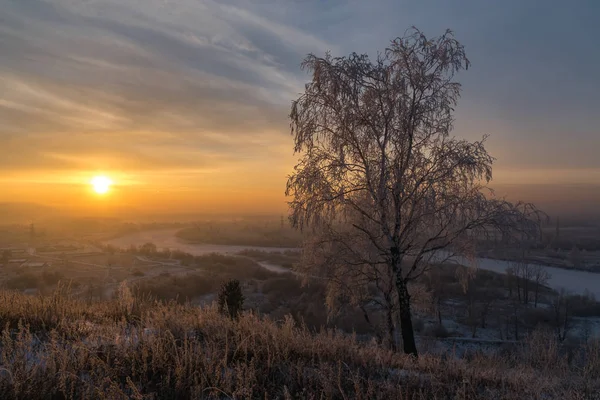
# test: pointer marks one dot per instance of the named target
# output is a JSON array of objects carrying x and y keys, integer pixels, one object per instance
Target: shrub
[
  {"x": 233, "y": 267},
  {"x": 437, "y": 330},
  {"x": 285, "y": 259},
  {"x": 178, "y": 288},
  {"x": 283, "y": 287},
  {"x": 25, "y": 280},
  {"x": 52, "y": 277},
  {"x": 584, "y": 306},
  {"x": 231, "y": 299},
  {"x": 538, "y": 317}
]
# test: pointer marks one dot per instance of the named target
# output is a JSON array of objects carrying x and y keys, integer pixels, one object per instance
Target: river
[
  {"x": 573, "y": 281},
  {"x": 166, "y": 239}
]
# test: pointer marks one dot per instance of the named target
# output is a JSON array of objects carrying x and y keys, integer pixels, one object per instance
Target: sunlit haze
[
  {"x": 185, "y": 103},
  {"x": 101, "y": 184}
]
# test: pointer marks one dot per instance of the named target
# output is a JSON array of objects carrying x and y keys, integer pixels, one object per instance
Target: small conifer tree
[{"x": 231, "y": 299}]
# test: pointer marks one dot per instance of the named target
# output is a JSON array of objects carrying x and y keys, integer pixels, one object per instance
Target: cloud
[
  {"x": 137, "y": 85},
  {"x": 163, "y": 85}
]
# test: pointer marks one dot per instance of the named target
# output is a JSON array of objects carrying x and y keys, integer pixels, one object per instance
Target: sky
[{"x": 184, "y": 103}]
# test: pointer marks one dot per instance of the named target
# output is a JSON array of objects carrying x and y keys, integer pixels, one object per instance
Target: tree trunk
[
  {"x": 406, "y": 326},
  {"x": 408, "y": 334},
  {"x": 516, "y": 317},
  {"x": 391, "y": 329}
]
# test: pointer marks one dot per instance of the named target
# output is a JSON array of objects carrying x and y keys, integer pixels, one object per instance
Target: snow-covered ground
[{"x": 273, "y": 268}]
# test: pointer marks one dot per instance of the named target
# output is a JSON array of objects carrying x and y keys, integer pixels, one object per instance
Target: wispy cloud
[
  {"x": 149, "y": 84},
  {"x": 201, "y": 85}
]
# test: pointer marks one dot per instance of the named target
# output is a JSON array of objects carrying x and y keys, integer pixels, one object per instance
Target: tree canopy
[{"x": 381, "y": 180}]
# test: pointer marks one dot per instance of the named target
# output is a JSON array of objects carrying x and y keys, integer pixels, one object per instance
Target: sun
[{"x": 101, "y": 184}]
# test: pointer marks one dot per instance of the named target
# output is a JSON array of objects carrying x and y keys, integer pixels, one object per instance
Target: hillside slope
[{"x": 60, "y": 348}]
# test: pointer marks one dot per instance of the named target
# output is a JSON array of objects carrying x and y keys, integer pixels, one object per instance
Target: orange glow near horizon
[{"x": 241, "y": 186}]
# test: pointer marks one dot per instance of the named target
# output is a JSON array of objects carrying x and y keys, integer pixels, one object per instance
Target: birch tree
[{"x": 380, "y": 179}]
